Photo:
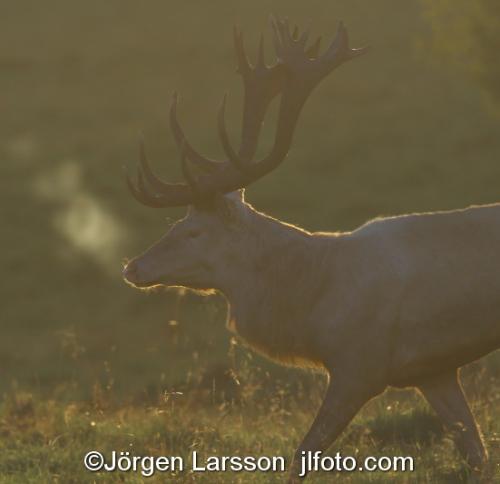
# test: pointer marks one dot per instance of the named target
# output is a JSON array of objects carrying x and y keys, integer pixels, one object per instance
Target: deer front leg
[
  {"x": 446, "y": 396},
  {"x": 343, "y": 399}
]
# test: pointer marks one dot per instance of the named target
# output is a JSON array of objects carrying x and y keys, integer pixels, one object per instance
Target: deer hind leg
[{"x": 446, "y": 396}]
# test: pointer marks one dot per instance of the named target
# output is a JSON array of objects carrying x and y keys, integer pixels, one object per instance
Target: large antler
[{"x": 297, "y": 72}]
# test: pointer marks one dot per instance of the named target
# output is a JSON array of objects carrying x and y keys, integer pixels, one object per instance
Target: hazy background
[{"x": 412, "y": 126}]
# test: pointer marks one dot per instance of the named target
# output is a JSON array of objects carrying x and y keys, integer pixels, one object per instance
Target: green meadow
[{"x": 87, "y": 362}]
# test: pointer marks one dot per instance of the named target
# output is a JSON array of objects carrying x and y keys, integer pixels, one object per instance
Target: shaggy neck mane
[{"x": 285, "y": 273}]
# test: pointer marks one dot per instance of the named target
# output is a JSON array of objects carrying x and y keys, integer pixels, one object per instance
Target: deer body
[
  {"x": 401, "y": 301},
  {"x": 409, "y": 282},
  {"x": 428, "y": 286}
]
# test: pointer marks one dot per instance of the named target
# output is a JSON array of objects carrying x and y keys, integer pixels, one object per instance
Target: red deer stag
[{"x": 401, "y": 301}]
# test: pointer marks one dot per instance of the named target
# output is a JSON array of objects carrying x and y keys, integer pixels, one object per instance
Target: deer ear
[
  {"x": 241, "y": 194},
  {"x": 228, "y": 205},
  {"x": 237, "y": 195}
]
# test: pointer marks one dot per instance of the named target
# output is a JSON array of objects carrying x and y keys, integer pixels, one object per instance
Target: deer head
[
  {"x": 216, "y": 231},
  {"x": 199, "y": 250}
]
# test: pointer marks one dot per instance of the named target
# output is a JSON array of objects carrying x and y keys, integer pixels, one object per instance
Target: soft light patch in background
[{"x": 22, "y": 148}]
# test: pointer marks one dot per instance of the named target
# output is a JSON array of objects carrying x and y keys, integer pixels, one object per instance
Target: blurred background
[{"x": 412, "y": 126}]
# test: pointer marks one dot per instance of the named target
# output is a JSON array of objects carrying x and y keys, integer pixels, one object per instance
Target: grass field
[{"x": 86, "y": 361}]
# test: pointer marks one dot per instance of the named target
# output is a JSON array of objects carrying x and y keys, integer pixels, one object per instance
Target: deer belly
[{"x": 451, "y": 338}]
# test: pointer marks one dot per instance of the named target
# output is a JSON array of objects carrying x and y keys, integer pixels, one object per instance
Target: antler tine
[
  {"x": 339, "y": 44},
  {"x": 224, "y": 138},
  {"x": 140, "y": 192},
  {"x": 241, "y": 56},
  {"x": 278, "y": 47},
  {"x": 200, "y": 161},
  {"x": 302, "y": 40},
  {"x": 284, "y": 39},
  {"x": 134, "y": 191},
  {"x": 140, "y": 183},
  {"x": 164, "y": 195},
  {"x": 177, "y": 195},
  {"x": 260, "y": 59},
  {"x": 157, "y": 184},
  {"x": 339, "y": 50},
  {"x": 358, "y": 51},
  {"x": 286, "y": 31},
  {"x": 279, "y": 24},
  {"x": 313, "y": 50},
  {"x": 187, "y": 173}
]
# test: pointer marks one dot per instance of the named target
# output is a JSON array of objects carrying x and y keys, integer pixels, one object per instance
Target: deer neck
[{"x": 269, "y": 301}]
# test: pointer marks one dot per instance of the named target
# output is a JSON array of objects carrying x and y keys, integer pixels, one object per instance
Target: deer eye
[{"x": 193, "y": 234}]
